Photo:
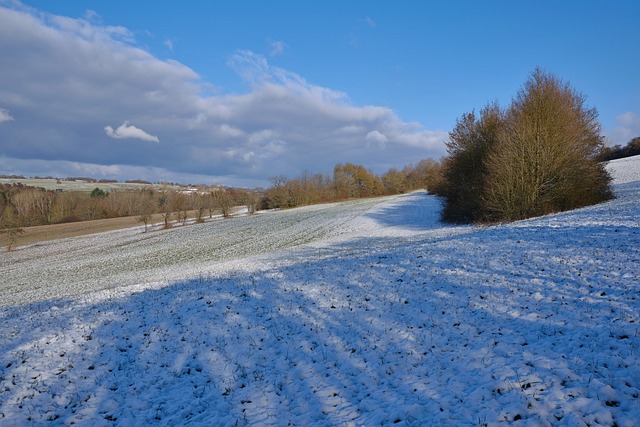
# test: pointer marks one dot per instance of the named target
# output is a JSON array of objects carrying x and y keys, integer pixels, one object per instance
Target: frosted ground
[{"x": 361, "y": 313}]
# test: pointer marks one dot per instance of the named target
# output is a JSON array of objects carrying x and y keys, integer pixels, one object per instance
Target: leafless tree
[
  {"x": 355, "y": 181},
  {"x": 10, "y": 229},
  {"x": 224, "y": 201},
  {"x": 464, "y": 170},
  {"x": 179, "y": 202},
  {"x": 166, "y": 207},
  {"x": 201, "y": 202},
  {"x": 146, "y": 207},
  {"x": 278, "y": 194},
  {"x": 65, "y": 207},
  {"x": 251, "y": 199},
  {"x": 545, "y": 160},
  {"x": 394, "y": 181}
]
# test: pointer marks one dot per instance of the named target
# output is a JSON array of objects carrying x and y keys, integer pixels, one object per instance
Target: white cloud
[
  {"x": 169, "y": 44},
  {"x": 370, "y": 22},
  {"x": 127, "y": 130},
  {"x": 5, "y": 116},
  {"x": 92, "y": 16},
  {"x": 90, "y": 31},
  {"x": 281, "y": 124},
  {"x": 276, "y": 47},
  {"x": 377, "y": 138},
  {"x": 227, "y": 130},
  {"x": 277, "y": 83},
  {"x": 629, "y": 119},
  {"x": 627, "y": 127}
]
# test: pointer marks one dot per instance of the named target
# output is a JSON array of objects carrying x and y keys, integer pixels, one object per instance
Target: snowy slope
[
  {"x": 625, "y": 170},
  {"x": 365, "y": 313}
]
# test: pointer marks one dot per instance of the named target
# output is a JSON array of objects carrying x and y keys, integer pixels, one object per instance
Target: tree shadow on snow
[
  {"x": 498, "y": 326},
  {"x": 417, "y": 211}
]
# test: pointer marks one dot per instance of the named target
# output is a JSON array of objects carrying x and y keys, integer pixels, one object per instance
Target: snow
[
  {"x": 363, "y": 313},
  {"x": 625, "y": 170}
]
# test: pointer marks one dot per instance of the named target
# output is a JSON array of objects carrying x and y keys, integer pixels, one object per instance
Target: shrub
[
  {"x": 464, "y": 171},
  {"x": 537, "y": 157}
]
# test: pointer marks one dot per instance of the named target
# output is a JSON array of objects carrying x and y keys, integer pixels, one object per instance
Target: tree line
[
  {"x": 349, "y": 181},
  {"x": 618, "y": 151},
  {"x": 537, "y": 156},
  {"x": 25, "y": 206}
]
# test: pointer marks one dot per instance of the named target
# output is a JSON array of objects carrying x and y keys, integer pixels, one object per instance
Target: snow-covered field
[{"x": 363, "y": 313}]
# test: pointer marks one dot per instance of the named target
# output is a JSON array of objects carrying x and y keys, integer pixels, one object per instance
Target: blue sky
[{"x": 238, "y": 92}]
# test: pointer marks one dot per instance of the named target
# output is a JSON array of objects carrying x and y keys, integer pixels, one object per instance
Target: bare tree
[
  {"x": 66, "y": 207},
  {"x": 201, "y": 202},
  {"x": 146, "y": 208},
  {"x": 180, "y": 204},
  {"x": 464, "y": 171},
  {"x": 425, "y": 175},
  {"x": 10, "y": 229},
  {"x": 91, "y": 207},
  {"x": 25, "y": 207},
  {"x": 278, "y": 194},
  {"x": 394, "y": 181},
  {"x": 12, "y": 236},
  {"x": 355, "y": 181},
  {"x": 3, "y": 206},
  {"x": 166, "y": 207},
  {"x": 224, "y": 201},
  {"x": 545, "y": 160},
  {"x": 251, "y": 199},
  {"x": 44, "y": 204},
  {"x": 210, "y": 203}
]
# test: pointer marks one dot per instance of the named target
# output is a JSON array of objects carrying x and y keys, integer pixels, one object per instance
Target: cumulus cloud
[
  {"x": 127, "y": 130},
  {"x": 92, "y": 74},
  {"x": 230, "y": 131},
  {"x": 5, "y": 116},
  {"x": 277, "y": 84},
  {"x": 377, "y": 138}
]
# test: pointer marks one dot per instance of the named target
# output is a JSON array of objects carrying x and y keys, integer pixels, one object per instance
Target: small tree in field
[
  {"x": 210, "y": 202},
  {"x": 180, "y": 204},
  {"x": 146, "y": 207},
  {"x": 144, "y": 218},
  {"x": 166, "y": 207},
  {"x": 224, "y": 201},
  {"x": 12, "y": 236},
  {"x": 10, "y": 229},
  {"x": 251, "y": 199},
  {"x": 201, "y": 204}
]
